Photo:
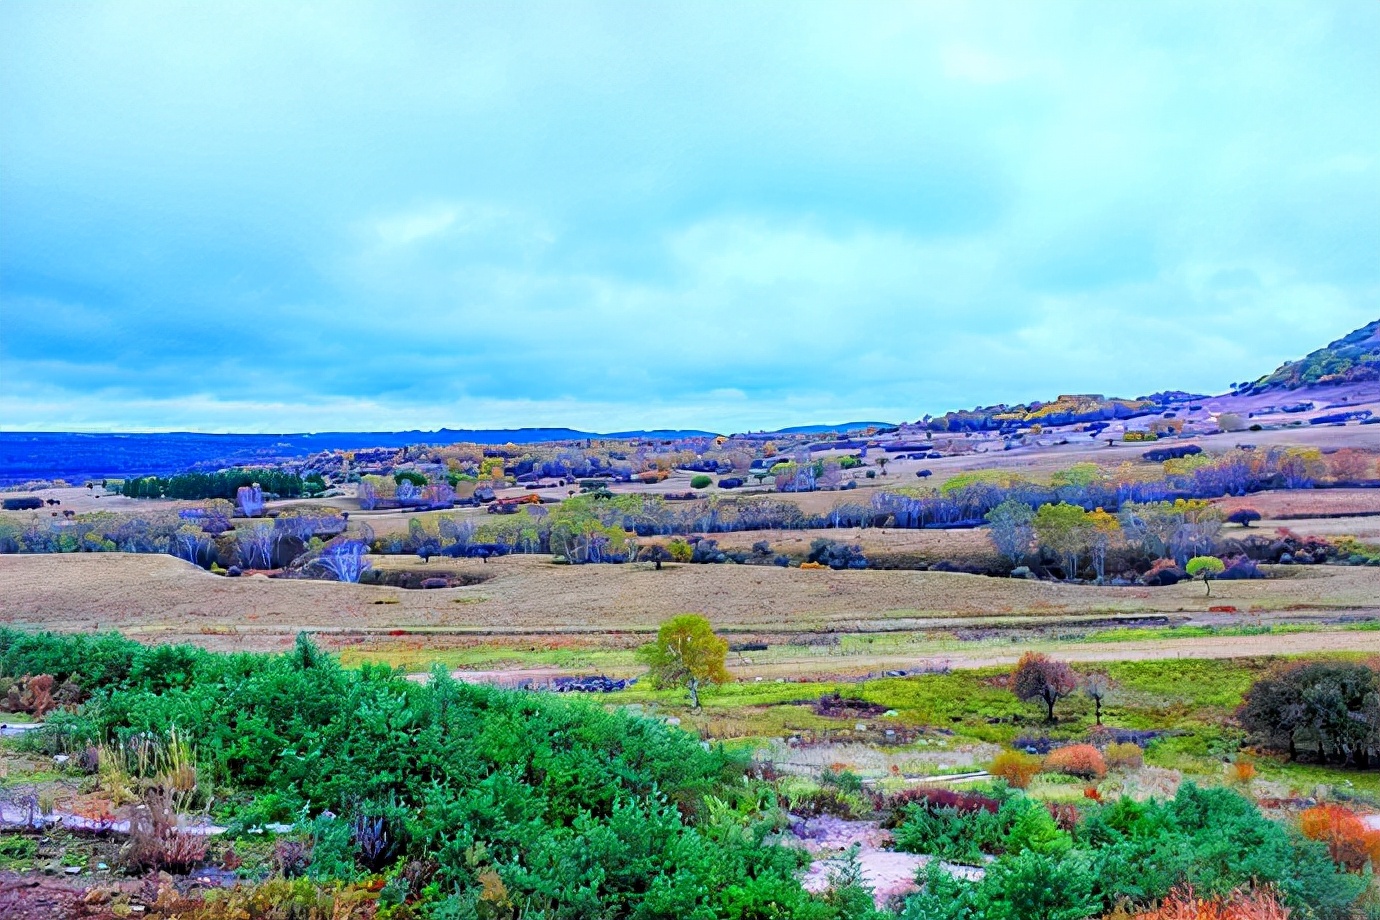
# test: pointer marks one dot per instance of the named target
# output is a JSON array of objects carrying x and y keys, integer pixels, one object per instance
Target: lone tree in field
[
  {"x": 1205, "y": 567},
  {"x": 658, "y": 554},
  {"x": 1039, "y": 677},
  {"x": 1244, "y": 516},
  {"x": 686, "y": 654}
]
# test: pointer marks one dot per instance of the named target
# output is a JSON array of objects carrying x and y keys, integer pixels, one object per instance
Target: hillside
[{"x": 1354, "y": 358}]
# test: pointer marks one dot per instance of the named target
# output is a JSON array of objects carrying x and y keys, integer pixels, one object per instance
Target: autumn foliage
[
  {"x": 1183, "y": 904},
  {"x": 1126, "y": 755},
  {"x": 1077, "y": 760},
  {"x": 1016, "y": 768},
  {"x": 1350, "y": 842},
  {"x": 1039, "y": 677}
]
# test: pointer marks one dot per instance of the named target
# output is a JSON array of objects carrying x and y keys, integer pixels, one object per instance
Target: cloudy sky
[{"x": 286, "y": 216}]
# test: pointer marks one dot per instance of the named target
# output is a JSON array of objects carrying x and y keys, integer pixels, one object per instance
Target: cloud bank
[{"x": 268, "y": 217}]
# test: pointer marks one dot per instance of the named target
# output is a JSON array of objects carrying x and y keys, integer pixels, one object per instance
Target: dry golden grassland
[{"x": 160, "y": 598}]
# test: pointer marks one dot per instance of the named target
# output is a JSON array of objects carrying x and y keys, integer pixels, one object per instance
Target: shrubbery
[
  {"x": 1081, "y": 760},
  {"x": 577, "y": 811},
  {"x": 1213, "y": 840},
  {"x": 1016, "y": 768}
]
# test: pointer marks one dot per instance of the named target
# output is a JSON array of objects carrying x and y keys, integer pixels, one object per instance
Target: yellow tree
[
  {"x": 1063, "y": 529},
  {"x": 687, "y": 654},
  {"x": 1104, "y": 532}
]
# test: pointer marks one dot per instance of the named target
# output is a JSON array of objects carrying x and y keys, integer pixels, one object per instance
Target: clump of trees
[
  {"x": 225, "y": 484},
  {"x": 1328, "y": 712},
  {"x": 836, "y": 555}
]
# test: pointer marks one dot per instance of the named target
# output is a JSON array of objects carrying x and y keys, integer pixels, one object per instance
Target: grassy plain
[{"x": 532, "y": 613}]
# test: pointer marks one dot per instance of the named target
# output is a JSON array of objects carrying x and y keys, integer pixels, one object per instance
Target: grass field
[{"x": 532, "y": 613}]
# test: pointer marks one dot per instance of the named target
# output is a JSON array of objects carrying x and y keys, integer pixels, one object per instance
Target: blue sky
[{"x": 282, "y": 217}]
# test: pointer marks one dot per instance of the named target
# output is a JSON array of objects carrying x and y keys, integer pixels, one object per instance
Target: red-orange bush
[
  {"x": 1350, "y": 843},
  {"x": 1182, "y": 904},
  {"x": 1016, "y": 768},
  {"x": 1077, "y": 760},
  {"x": 1241, "y": 770}
]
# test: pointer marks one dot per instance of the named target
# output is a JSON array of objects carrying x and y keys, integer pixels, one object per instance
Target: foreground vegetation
[{"x": 443, "y": 799}]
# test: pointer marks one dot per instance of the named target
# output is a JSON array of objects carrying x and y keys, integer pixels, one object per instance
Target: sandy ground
[
  {"x": 160, "y": 597},
  {"x": 887, "y": 872}
]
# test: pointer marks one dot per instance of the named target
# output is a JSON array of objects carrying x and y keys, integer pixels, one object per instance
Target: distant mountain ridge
[
  {"x": 78, "y": 456},
  {"x": 75, "y": 456}
]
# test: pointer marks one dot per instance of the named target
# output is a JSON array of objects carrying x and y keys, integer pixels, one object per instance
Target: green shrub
[
  {"x": 567, "y": 804},
  {"x": 701, "y": 482}
]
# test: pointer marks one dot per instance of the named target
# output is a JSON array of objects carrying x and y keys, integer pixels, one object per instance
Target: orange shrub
[
  {"x": 1016, "y": 768},
  {"x": 1241, "y": 770},
  {"x": 1127, "y": 756},
  {"x": 1077, "y": 760},
  {"x": 1349, "y": 842},
  {"x": 1239, "y": 905}
]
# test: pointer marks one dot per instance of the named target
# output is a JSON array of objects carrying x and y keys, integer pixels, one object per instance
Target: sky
[{"x": 271, "y": 217}]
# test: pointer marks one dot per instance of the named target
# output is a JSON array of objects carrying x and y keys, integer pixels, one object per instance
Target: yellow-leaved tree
[{"x": 686, "y": 654}]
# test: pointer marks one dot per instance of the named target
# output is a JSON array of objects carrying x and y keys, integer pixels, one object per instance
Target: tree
[
  {"x": 1103, "y": 530},
  {"x": 1349, "y": 465},
  {"x": 1096, "y": 686},
  {"x": 250, "y": 500},
  {"x": 1332, "y": 708},
  {"x": 1064, "y": 530},
  {"x": 656, "y": 553},
  {"x": 1039, "y": 677},
  {"x": 686, "y": 654},
  {"x": 1011, "y": 529},
  {"x": 881, "y": 464},
  {"x": 1244, "y": 516},
  {"x": 1205, "y": 566},
  {"x": 342, "y": 560}
]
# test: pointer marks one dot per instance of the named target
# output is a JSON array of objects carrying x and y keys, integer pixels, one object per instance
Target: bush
[
  {"x": 701, "y": 482},
  {"x": 1081, "y": 760},
  {"x": 578, "y": 807},
  {"x": 836, "y": 555},
  {"x": 1242, "y": 567},
  {"x": 1244, "y": 516},
  {"x": 1241, "y": 904},
  {"x": 962, "y": 837},
  {"x": 1125, "y": 756},
  {"x": 1350, "y": 843},
  {"x": 1017, "y": 768},
  {"x": 895, "y": 804},
  {"x": 1163, "y": 572}
]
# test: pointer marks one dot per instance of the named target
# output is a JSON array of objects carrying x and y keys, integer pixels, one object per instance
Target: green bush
[
  {"x": 701, "y": 482},
  {"x": 572, "y": 806},
  {"x": 1125, "y": 851}
]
